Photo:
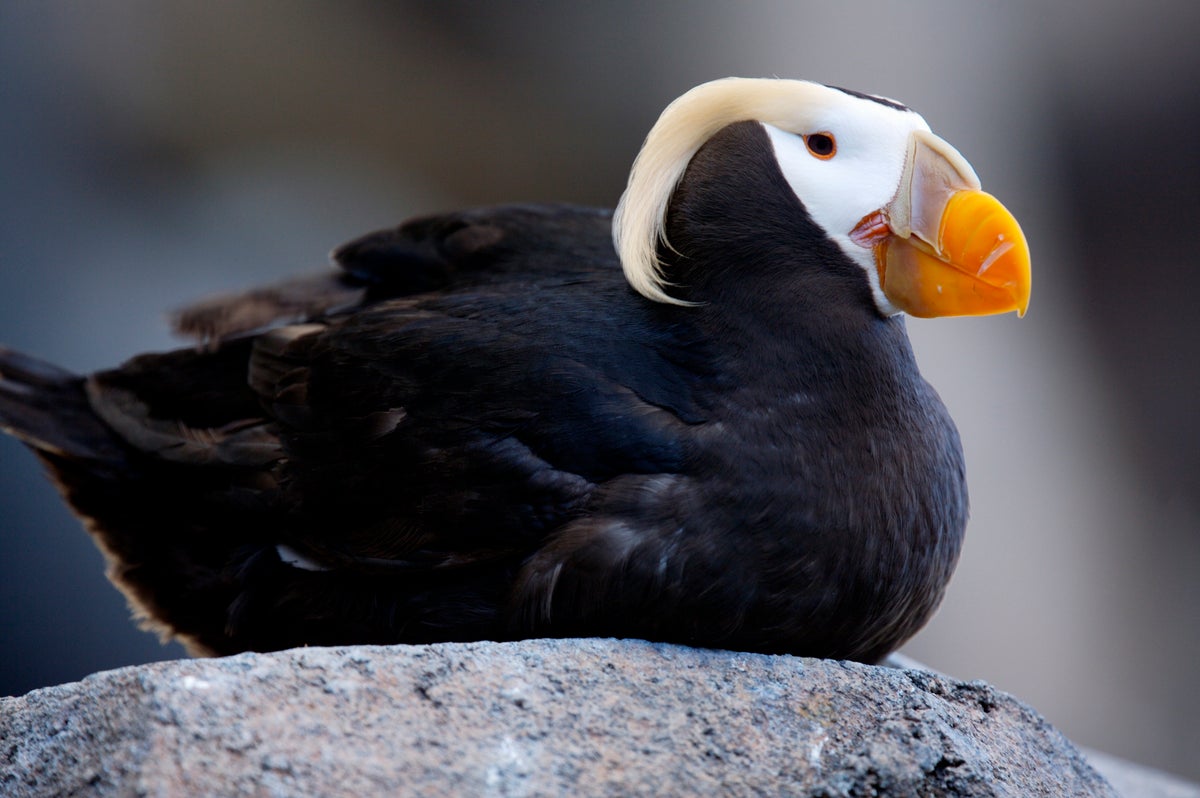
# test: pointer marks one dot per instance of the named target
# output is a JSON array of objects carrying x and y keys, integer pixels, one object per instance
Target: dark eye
[{"x": 821, "y": 145}]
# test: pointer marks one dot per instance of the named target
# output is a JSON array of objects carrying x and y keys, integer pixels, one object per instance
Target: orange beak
[{"x": 942, "y": 246}]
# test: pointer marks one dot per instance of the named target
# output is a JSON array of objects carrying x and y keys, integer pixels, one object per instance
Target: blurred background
[{"x": 151, "y": 153}]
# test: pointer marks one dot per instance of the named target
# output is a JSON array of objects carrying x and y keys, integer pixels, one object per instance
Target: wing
[
  {"x": 513, "y": 376},
  {"x": 415, "y": 446},
  {"x": 442, "y": 431}
]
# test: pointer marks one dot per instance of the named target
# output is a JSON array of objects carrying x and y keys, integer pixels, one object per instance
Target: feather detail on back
[{"x": 297, "y": 299}]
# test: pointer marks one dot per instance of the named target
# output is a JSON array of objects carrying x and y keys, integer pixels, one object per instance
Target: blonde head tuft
[{"x": 681, "y": 130}]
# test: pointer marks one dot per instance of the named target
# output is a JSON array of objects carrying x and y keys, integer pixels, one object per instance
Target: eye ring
[{"x": 821, "y": 145}]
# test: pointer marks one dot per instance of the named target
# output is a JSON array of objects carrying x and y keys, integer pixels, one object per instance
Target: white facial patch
[{"x": 860, "y": 178}]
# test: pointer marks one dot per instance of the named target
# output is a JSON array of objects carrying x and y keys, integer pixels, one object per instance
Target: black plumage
[{"x": 476, "y": 429}]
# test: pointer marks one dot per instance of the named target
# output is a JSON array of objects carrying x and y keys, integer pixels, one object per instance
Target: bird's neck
[{"x": 797, "y": 342}]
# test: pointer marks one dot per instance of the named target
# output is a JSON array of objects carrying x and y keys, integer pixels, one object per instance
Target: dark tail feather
[
  {"x": 170, "y": 549},
  {"x": 45, "y": 407}
]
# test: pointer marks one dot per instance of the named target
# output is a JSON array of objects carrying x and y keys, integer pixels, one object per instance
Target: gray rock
[{"x": 553, "y": 717}]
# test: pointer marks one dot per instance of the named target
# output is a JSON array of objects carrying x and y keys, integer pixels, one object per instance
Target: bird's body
[{"x": 479, "y": 430}]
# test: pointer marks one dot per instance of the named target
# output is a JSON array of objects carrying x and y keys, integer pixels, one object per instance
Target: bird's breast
[{"x": 852, "y": 515}]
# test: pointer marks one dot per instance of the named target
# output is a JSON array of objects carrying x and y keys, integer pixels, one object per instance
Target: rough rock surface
[{"x": 569, "y": 717}]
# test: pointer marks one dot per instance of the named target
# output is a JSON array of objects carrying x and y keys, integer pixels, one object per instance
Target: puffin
[{"x": 695, "y": 419}]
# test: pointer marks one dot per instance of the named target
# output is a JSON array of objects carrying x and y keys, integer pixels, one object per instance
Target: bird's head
[{"x": 899, "y": 201}]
